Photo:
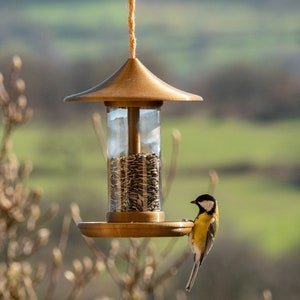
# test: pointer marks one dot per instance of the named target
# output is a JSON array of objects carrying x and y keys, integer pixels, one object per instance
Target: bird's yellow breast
[{"x": 198, "y": 234}]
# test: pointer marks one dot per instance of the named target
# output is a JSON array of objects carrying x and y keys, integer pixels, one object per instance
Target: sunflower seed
[{"x": 134, "y": 183}]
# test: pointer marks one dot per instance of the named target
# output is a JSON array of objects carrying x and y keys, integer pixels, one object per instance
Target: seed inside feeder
[{"x": 134, "y": 182}]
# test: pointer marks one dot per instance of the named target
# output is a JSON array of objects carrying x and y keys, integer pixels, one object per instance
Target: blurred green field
[
  {"x": 187, "y": 36},
  {"x": 259, "y": 206}
]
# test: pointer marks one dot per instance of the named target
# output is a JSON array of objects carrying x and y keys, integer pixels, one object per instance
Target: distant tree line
[
  {"x": 241, "y": 91},
  {"x": 253, "y": 93}
]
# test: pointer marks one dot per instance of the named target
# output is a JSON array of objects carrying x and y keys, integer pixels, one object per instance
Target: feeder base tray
[{"x": 135, "y": 229}]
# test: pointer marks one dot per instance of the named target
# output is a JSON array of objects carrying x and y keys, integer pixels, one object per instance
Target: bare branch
[
  {"x": 171, "y": 270},
  {"x": 213, "y": 181},
  {"x": 176, "y": 137},
  {"x": 108, "y": 260},
  {"x": 98, "y": 127},
  {"x": 58, "y": 253}
]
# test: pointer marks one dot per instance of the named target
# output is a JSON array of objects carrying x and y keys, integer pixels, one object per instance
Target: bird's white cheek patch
[{"x": 207, "y": 204}]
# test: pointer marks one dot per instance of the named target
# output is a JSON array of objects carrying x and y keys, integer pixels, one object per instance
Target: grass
[
  {"x": 223, "y": 143},
  {"x": 254, "y": 206},
  {"x": 260, "y": 211}
]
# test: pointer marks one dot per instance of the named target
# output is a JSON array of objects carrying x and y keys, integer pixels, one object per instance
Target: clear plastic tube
[{"x": 133, "y": 158}]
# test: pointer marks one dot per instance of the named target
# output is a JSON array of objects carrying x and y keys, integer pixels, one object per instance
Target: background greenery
[
  {"x": 256, "y": 163},
  {"x": 243, "y": 57},
  {"x": 190, "y": 37}
]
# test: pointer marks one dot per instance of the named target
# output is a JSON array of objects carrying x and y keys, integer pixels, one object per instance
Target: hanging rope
[{"x": 131, "y": 28}]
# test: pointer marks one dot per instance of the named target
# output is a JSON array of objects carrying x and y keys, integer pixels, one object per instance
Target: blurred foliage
[
  {"x": 238, "y": 91},
  {"x": 251, "y": 93},
  {"x": 70, "y": 46},
  {"x": 236, "y": 55},
  {"x": 24, "y": 227}
]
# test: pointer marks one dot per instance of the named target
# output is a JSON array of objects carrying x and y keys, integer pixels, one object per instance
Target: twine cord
[{"x": 131, "y": 28}]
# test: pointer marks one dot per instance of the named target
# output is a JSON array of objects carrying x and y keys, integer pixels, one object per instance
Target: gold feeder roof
[{"x": 133, "y": 83}]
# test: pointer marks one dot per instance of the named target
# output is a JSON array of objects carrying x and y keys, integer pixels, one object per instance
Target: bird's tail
[{"x": 193, "y": 276}]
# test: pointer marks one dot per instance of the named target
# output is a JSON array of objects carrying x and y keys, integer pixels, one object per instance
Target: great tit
[{"x": 203, "y": 232}]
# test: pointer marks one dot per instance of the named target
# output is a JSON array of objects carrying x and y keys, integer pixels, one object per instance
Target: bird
[{"x": 203, "y": 233}]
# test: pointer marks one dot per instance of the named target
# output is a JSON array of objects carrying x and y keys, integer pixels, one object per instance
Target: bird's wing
[{"x": 210, "y": 237}]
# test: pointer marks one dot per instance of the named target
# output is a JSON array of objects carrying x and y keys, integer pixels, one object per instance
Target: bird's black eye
[{"x": 207, "y": 205}]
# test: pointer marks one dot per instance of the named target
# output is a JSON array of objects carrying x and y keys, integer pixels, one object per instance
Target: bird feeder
[{"x": 133, "y": 96}]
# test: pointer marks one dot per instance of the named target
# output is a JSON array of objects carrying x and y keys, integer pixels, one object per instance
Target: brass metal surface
[
  {"x": 133, "y": 130},
  {"x": 133, "y": 83},
  {"x": 135, "y": 216},
  {"x": 135, "y": 229}
]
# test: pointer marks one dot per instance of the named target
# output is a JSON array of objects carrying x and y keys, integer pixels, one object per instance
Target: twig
[
  {"x": 213, "y": 181},
  {"x": 169, "y": 247},
  {"x": 176, "y": 137},
  {"x": 98, "y": 127},
  {"x": 109, "y": 263},
  {"x": 57, "y": 257},
  {"x": 170, "y": 271}
]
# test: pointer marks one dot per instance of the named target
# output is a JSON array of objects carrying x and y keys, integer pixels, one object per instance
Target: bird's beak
[{"x": 194, "y": 202}]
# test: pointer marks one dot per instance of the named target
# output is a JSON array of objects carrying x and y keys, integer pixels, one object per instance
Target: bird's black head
[{"x": 206, "y": 203}]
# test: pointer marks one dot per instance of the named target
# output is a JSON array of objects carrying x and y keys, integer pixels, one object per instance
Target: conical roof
[{"x": 133, "y": 82}]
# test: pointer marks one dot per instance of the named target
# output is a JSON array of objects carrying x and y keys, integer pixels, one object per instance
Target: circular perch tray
[{"x": 135, "y": 229}]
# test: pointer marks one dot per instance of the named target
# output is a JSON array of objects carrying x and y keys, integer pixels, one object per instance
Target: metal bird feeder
[{"x": 133, "y": 97}]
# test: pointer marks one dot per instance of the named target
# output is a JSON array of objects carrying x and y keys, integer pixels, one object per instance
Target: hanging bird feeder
[{"x": 133, "y": 97}]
